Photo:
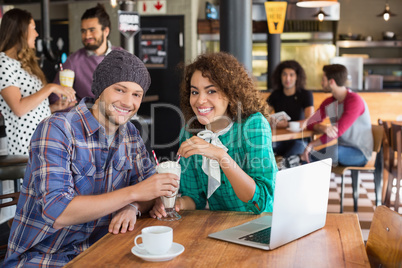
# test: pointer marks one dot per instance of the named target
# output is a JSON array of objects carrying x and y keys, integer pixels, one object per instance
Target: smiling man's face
[{"x": 117, "y": 105}]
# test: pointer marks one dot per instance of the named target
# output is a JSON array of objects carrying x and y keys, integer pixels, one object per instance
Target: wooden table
[
  {"x": 282, "y": 134},
  {"x": 338, "y": 244}
]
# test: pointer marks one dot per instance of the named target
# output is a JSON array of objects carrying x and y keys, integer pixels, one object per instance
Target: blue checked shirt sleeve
[{"x": 50, "y": 147}]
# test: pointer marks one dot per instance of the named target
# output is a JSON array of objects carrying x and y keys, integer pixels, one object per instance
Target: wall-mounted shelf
[
  {"x": 377, "y": 61},
  {"x": 373, "y": 44},
  {"x": 379, "y": 57}
]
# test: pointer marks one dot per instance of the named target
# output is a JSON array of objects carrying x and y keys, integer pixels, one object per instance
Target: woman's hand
[
  {"x": 61, "y": 105},
  {"x": 65, "y": 93},
  {"x": 158, "y": 211},
  {"x": 196, "y": 145}
]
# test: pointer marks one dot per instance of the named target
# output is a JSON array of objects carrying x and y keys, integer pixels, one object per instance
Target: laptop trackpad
[{"x": 251, "y": 227}]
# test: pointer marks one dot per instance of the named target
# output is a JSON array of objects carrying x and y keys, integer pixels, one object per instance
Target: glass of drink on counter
[{"x": 169, "y": 202}]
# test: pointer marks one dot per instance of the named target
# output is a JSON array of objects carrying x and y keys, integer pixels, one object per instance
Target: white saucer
[
  {"x": 291, "y": 130},
  {"x": 173, "y": 252}
]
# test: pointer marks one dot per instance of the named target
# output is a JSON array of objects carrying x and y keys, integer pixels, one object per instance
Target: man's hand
[
  {"x": 331, "y": 131},
  {"x": 123, "y": 220},
  {"x": 279, "y": 122},
  {"x": 155, "y": 186},
  {"x": 306, "y": 154}
]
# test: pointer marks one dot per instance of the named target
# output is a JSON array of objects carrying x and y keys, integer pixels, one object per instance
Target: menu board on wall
[{"x": 154, "y": 47}]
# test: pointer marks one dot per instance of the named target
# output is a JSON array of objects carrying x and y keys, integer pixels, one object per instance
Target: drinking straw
[
  {"x": 156, "y": 160},
  {"x": 61, "y": 67},
  {"x": 178, "y": 159}
]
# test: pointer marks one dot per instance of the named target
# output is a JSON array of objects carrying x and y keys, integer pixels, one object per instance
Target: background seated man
[{"x": 350, "y": 123}]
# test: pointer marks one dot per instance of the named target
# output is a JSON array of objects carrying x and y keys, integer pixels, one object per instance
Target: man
[
  {"x": 350, "y": 123},
  {"x": 88, "y": 172},
  {"x": 290, "y": 96},
  {"x": 95, "y": 29}
]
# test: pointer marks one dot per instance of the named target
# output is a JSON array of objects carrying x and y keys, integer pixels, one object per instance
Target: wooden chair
[
  {"x": 384, "y": 243},
  {"x": 373, "y": 165},
  {"x": 396, "y": 146},
  {"x": 14, "y": 200},
  {"x": 389, "y": 162}
]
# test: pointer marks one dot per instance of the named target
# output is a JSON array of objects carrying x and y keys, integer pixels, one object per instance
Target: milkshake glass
[
  {"x": 169, "y": 201},
  {"x": 66, "y": 78}
]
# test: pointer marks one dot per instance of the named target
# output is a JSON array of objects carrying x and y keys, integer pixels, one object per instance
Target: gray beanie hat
[{"x": 119, "y": 66}]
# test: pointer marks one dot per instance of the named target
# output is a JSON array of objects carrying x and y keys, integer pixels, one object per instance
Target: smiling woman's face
[{"x": 208, "y": 102}]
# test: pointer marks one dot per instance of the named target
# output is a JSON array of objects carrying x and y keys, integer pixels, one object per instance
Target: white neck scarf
[{"x": 209, "y": 166}]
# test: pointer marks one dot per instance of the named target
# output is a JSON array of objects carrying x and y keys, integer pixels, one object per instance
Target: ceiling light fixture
[
  {"x": 320, "y": 14},
  {"x": 316, "y": 3},
  {"x": 113, "y": 3},
  {"x": 386, "y": 14}
]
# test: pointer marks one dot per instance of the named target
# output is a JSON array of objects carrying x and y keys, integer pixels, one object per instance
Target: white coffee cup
[
  {"x": 294, "y": 126},
  {"x": 156, "y": 240}
]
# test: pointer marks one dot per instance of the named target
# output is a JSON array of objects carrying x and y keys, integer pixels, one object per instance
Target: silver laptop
[{"x": 300, "y": 207}]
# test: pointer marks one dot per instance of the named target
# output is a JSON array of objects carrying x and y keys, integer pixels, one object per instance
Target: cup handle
[{"x": 141, "y": 246}]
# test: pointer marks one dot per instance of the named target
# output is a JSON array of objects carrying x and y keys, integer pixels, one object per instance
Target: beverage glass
[
  {"x": 169, "y": 202},
  {"x": 156, "y": 240},
  {"x": 66, "y": 78}
]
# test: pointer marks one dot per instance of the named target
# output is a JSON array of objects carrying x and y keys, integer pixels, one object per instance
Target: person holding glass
[
  {"x": 24, "y": 91},
  {"x": 89, "y": 172},
  {"x": 226, "y": 152}
]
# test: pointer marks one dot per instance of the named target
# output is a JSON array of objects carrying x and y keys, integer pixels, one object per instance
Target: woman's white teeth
[{"x": 203, "y": 111}]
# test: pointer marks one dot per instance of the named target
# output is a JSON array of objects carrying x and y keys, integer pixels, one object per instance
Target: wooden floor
[{"x": 366, "y": 203}]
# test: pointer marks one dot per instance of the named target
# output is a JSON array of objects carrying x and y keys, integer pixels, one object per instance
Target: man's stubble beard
[{"x": 97, "y": 44}]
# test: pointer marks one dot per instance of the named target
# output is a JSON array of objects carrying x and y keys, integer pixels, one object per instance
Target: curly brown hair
[
  {"x": 289, "y": 64},
  {"x": 227, "y": 73},
  {"x": 13, "y": 33}
]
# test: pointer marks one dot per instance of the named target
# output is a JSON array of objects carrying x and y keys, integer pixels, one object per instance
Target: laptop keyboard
[{"x": 262, "y": 236}]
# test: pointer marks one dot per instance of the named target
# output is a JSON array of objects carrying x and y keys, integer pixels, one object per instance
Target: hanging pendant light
[
  {"x": 320, "y": 14},
  {"x": 386, "y": 14},
  {"x": 316, "y": 3},
  {"x": 113, "y": 3}
]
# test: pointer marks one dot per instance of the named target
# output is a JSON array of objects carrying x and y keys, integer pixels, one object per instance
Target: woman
[
  {"x": 227, "y": 157},
  {"x": 23, "y": 88}
]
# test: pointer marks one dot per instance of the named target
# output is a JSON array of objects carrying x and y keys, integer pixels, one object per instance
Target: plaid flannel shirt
[{"x": 70, "y": 156}]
